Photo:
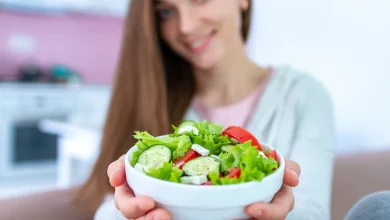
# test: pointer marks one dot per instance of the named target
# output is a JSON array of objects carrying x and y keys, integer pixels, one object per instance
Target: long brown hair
[{"x": 152, "y": 90}]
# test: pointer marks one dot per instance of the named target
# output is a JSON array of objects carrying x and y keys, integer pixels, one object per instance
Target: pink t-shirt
[{"x": 235, "y": 114}]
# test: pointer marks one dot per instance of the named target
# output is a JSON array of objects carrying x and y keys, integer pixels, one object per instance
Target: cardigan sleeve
[{"x": 313, "y": 149}]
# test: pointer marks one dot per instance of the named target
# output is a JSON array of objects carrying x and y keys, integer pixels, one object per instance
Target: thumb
[{"x": 116, "y": 172}]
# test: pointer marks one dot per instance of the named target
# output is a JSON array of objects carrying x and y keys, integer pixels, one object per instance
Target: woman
[{"x": 186, "y": 59}]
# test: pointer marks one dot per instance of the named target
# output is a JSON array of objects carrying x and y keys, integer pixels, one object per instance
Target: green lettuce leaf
[
  {"x": 206, "y": 127},
  {"x": 135, "y": 157},
  {"x": 166, "y": 172},
  {"x": 253, "y": 166},
  {"x": 209, "y": 135},
  {"x": 178, "y": 144},
  {"x": 182, "y": 147}
]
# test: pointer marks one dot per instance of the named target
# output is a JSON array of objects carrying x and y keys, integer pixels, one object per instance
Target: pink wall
[{"x": 88, "y": 44}]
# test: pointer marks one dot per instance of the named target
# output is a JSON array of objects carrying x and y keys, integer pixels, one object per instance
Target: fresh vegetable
[
  {"x": 209, "y": 136},
  {"x": 201, "y": 166},
  {"x": 241, "y": 135},
  {"x": 155, "y": 156},
  {"x": 272, "y": 154},
  {"x": 187, "y": 157},
  {"x": 208, "y": 183},
  {"x": 166, "y": 172},
  {"x": 234, "y": 172},
  {"x": 227, "y": 148},
  {"x": 141, "y": 167},
  {"x": 204, "y": 154},
  {"x": 200, "y": 150},
  {"x": 178, "y": 145},
  {"x": 186, "y": 127},
  {"x": 196, "y": 180}
]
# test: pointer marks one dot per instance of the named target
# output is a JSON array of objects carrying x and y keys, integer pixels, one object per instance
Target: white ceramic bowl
[{"x": 192, "y": 202}]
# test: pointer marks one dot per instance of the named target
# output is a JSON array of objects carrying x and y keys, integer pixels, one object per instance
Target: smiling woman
[
  {"x": 199, "y": 31},
  {"x": 165, "y": 43},
  {"x": 186, "y": 59},
  {"x": 162, "y": 81}
]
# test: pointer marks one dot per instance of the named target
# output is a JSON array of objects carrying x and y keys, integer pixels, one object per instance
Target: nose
[{"x": 187, "y": 21}]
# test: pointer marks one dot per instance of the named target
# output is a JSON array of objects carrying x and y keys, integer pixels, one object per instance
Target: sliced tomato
[
  {"x": 208, "y": 183},
  {"x": 241, "y": 135},
  {"x": 273, "y": 154},
  {"x": 234, "y": 172},
  {"x": 187, "y": 157}
]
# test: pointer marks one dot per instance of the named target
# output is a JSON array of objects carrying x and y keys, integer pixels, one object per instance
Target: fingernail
[
  {"x": 156, "y": 218},
  {"x": 112, "y": 173},
  {"x": 110, "y": 169},
  {"x": 145, "y": 206},
  {"x": 294, "y": 173},
  {"x": 258, "y": 213},
  {"x": 255, "y": 212}
]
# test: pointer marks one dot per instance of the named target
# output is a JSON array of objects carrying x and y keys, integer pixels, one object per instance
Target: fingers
[
  {"x": 291, "y": 173},
  {"x": 159, "y": 214},
  {"x": 116, "y": 172},
  {"x": 130, "y": 206},
  {"x": 278, "y": 209}
]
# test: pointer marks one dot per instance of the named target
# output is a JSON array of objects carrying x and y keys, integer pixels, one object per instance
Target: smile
[{"x": 200, "y": 45}]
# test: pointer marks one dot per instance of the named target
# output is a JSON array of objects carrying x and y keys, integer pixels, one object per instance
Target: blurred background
[{"x": 58, "y": 57}]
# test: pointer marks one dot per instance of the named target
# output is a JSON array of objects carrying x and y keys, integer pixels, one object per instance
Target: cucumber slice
[
  {"x": 201, "y": 166},
  {"x": 155, "y": 156}
]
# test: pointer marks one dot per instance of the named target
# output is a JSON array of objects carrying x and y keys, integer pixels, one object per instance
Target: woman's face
[{"x": 201, "y": 31}]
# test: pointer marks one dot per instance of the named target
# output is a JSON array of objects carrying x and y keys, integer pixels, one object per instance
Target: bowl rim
[{"x": 266, "y": 179}]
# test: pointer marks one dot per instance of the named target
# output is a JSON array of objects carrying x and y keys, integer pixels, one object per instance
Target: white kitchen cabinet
[
  {"x": 23, "y": 149},
  {"x": 80, "y": 136},
  {"x": 74, "y": 113}
]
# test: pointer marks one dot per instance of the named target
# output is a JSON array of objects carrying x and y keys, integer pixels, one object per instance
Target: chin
[{"x": 205, "y": 63}]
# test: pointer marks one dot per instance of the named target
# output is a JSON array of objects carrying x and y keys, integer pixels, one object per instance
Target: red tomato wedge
[
  {"x": 208, "y": 183},
  {"x": 234, "y": 173},
  {"x": 273, "y": 154},
  {"x": 241, "y": 135},
  {"x": 189, "y": 156}
]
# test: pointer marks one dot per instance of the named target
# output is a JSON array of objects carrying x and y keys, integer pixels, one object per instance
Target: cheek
[
  {"x": 234, "y": 23},
  {"x": 168, "y": 33},
  {"x": 229, "y": 22}
]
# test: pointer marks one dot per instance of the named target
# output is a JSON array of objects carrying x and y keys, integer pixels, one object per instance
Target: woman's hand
[
  {"x": 131, "y": 207},
  {"x": 283, "y": 201},
  {"x": 143, "y": 207}
]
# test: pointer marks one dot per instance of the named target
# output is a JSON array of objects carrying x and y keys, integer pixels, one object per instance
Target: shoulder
[{"x": 302, "y": 86}]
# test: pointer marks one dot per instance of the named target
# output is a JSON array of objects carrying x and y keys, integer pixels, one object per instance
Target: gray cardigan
[{"x": 295, "y": 116}]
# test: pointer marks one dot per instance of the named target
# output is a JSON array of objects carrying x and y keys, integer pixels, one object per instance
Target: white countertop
[
  {"x": 78, "y": 149},
  {"x": 85, "y": 138}
]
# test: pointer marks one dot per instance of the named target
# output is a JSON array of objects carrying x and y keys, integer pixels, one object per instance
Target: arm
[
  {"x": 49, "y": 205},
  {"x": 312, "y": 149}
]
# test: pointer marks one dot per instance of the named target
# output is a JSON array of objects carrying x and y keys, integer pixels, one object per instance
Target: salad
[{"x": 203, "y": 153}]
